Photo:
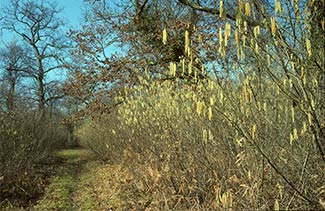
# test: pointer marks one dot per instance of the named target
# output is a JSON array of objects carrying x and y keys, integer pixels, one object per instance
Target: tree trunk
[
  {"x": 41, "y": 95},
  {"x": 11, "y": 95}
]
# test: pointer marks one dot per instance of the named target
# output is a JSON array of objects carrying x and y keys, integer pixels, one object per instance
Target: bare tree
[
  {"x": 37, "y": 24},
  {"x": 130, "y": 27},
  {"x": 12, "y": 66}
]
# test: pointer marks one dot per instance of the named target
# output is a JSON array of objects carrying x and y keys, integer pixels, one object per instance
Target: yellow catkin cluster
[
  {"x": 222, "y": 11},
  {"x": 277, "y": 6},
  {"x": 221, "y": 42},
  {"x": 210, "y": 113},
  {"x": 308, "y": 47},
  {"x": 237, "y": 38},
  {"x": 253, "y": 131},
  {"x": 292, "y": 113},
  {"x": 247, "y": 9},
  {"x": 268, "y": 57},
  {"x": 200, "y": 106},
  {"x": 227, "y": 32},
  {"x": 204, "y": 136},
  {"x": 172, "y": 69},
  {"x": 187, "y": 43},
  {"x": 257, "y": 31},
  {"x": 273, "y": 26},
  {"x": 165, "y": 36}
]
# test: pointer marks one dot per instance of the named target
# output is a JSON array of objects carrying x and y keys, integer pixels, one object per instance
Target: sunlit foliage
[{"x": 244, "y": 130}]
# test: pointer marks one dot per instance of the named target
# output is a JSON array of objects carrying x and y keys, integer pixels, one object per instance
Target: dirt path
[{"x": 62, "y": 193}]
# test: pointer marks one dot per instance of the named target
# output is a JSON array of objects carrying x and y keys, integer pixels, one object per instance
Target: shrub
[
  {"x": 25, "y": 142},
  {"x": 210, "y": 145},
  {"x": 103, "y": 137}
]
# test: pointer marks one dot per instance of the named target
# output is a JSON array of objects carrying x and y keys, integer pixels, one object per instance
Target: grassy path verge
[
  {"x": 79, "y": 182},
  {"x": 61, "y": 193},
  {"x": 83, "y": 183}
]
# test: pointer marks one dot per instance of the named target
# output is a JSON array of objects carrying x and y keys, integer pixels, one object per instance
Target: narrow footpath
[{"x": 78, "y": 184}]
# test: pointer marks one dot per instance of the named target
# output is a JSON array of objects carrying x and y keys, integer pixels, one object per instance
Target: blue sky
[
  {"x": 71, "y": 14},
  {"x": 72, "y": 11}
]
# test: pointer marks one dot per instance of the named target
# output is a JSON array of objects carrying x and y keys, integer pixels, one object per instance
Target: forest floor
[{"x": 81, "y": 183}]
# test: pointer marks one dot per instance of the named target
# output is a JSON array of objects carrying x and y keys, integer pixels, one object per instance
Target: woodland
[{"x": 163, "y": 105}]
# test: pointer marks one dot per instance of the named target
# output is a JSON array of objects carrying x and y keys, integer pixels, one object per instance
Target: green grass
[
  {"x": 74, "y": 155},
  {"x": 87, "y": 195},
  {"x": 59, "y": 196},
  {"x": 77, "y": 185}
]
